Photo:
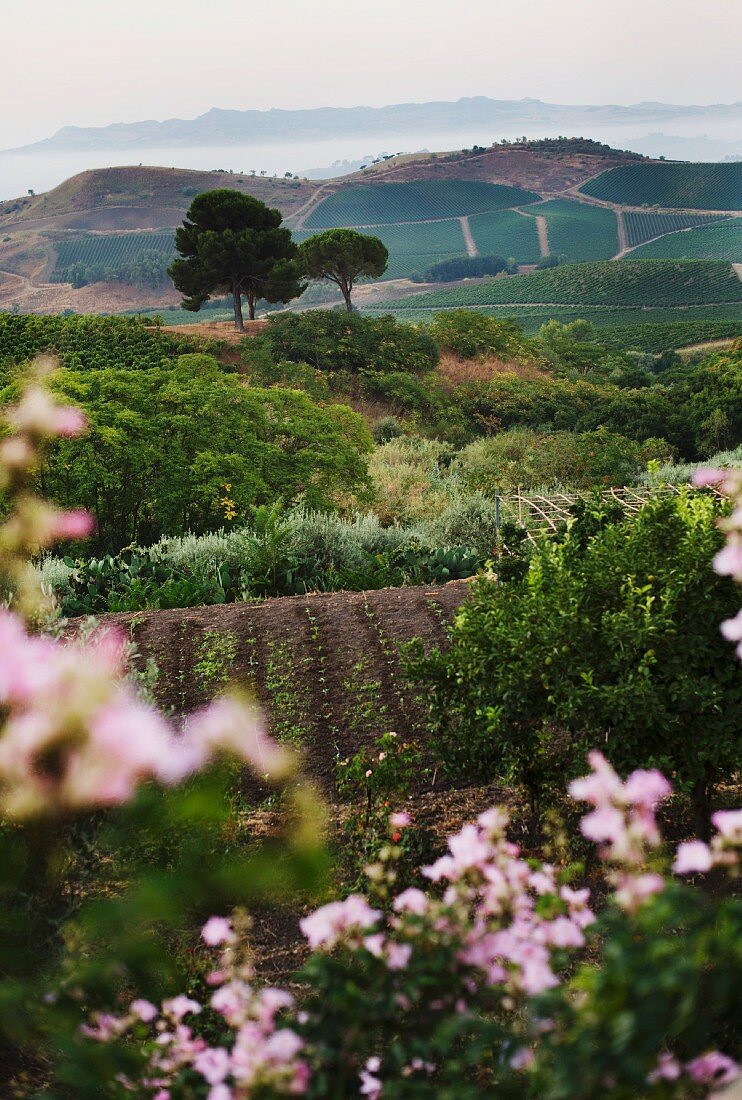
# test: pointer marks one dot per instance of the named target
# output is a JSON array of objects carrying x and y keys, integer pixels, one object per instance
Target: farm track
[
  {"x": 344, "y": 684},
  {"x": 542, "y": 228},
  {"x": 471, "y": 247}
]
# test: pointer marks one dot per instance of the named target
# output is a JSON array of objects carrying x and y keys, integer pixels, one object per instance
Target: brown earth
[
  {"x": 326, "y": 668},
  {"x": 217, "y": 330},
  {"x": 148, "y": 190},
  {"x": 340, "y": 651}
]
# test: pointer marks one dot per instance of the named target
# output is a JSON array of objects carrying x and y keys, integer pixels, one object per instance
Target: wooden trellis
[{"x": 541, "y": 514}]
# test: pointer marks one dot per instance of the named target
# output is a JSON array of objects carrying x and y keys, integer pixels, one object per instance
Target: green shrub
[
  {"x": 189, "y": 447},
  {"x": 576, "y": 460},
  {"x": 468, "y": 333},
  {"x": 331, "y": 341},
  {"x": 610, "y": 640}
]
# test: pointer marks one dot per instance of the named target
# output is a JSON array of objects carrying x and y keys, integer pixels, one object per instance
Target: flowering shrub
[
  {"x": 483, "y": 983},
  {"x": 115, "y": 826}
]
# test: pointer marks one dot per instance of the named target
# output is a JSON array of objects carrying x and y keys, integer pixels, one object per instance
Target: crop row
[
  {"x": 110, "y": 250},
  {"x": 83, "y": 343},
  {"x": 579, "y": 231},
  {"x": 616, "y": 283},
  {"x": 506, "y": 233},
  {"x": 408, "y": 202},
  {"x": 641, "y": 226},
  {"x": 680, "y": 186},
  {"x": 720, "y": 241}
]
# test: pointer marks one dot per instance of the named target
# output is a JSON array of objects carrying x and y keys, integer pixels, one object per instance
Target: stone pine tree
[
  {"x": 232, "y": 243},
  {"x": 341, "y": 256}
]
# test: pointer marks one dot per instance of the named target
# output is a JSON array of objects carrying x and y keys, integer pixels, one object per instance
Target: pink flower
[
  {"x": 374, "y": 945},
  {"x": 599, "y": 787},
  {"x": 37, "y": 414},
  {"x": 692, "y": 856},
  {"x": 703, "y": 478},
  {"x": 604, "y": 824},
  {"x": 729, "y": 824},
  {"x": 522, "y": 1059},
  {"x": 217, "y": 931},
  {"x": 732, "y": 628},
  {"x": 370, "y": 1086},
  {"x": 327, "y": 925},
  {"x": 398, "y": 956},
  {"x": 667, "y": 1069},
  {"x": 220, "y": 1092},
  {"x": 634, "y": 890},
  {"x": 468, "y": 848},
  {"x": 180, "y": 1006},
  {"x": 212, "y": 1064},
  {"x": 728, "y": 561},
  {"x": 412, "y": 900},
  {"x": 72, "y": 525},
  {"x": 646, "y": 789},
  {"x": 713, "y": 1068},
  {"x": 399, "y": 820},
  {"x": 230, "y": 725},
  {"x": 143, "y": 1010}
]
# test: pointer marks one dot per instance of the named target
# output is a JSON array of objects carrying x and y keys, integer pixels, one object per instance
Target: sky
[{"x": 93, "y": 62}]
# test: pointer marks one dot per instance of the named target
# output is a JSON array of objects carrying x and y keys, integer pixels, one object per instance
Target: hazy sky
[{"x": 91, "y": 62}]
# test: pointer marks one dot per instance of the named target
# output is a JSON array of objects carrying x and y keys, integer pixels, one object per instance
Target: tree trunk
[
  {"x": 346, "y": 294},
  {"x": 237, "y": 298},
  {"x": 251, "y": 306},
  {"x": 701, "y": 808}
]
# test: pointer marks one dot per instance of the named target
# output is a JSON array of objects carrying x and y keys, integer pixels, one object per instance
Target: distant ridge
[{"x": 218, "y": 127}]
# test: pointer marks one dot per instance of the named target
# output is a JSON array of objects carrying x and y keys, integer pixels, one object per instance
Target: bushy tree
[
  {"x": 469, "y": 333},
  {"x": 612, "y": 640},
  {"x": 341, "y": 256},
  {"x": 531, "y": 459},
  {"x": 163, "y": 445},
  {"x": 232, "y": 243},
  {"x": 329, "y": 340}
]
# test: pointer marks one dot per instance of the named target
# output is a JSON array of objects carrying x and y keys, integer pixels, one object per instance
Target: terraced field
[
  {"x": 617, "y": 283},
  {"x": 642, "y": 227},
  {"x": 579, "y": 231},
  {"x": 674, "y": 186},
  {"x": 722, "y": 241},
  {"x": 411, "y": 202}
]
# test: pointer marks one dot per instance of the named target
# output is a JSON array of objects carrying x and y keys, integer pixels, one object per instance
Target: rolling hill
[{"x": 572, "y": 198}]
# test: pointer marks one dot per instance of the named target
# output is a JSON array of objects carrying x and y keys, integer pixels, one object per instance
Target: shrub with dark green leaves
[
  {"x": 469, "y": 333},
  {"x": 330, "y": 340},
  {"x": 610, "y": 640}
]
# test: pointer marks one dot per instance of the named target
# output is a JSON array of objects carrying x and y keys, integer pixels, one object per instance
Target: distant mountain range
[{"x": 494, "y": 117}]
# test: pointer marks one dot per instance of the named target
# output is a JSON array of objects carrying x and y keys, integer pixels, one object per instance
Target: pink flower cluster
[
  {"x": 76, "y": 735},
  {"x": 488, "y": 911},
  {"x": 260, "y": 1057},
  {"x": 694, "y": 856},
  {"x": 623, "y": 823},
  {"x": 712, "y": 1069},
  {"x": 728, "y": 562}
]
